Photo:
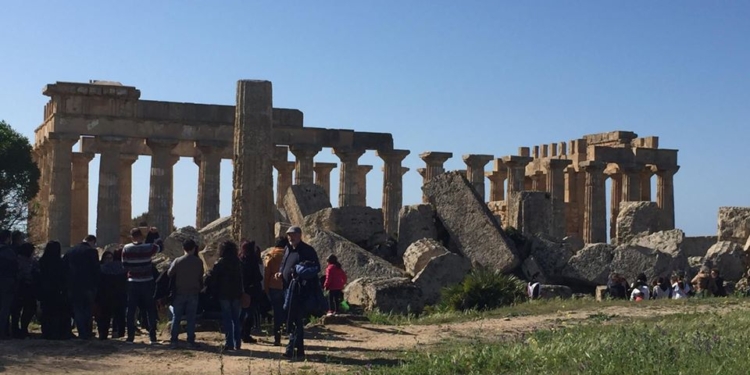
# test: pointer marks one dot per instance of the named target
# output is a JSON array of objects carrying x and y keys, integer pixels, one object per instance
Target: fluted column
[
  {"x": 497, "y": 185},
  {"x": 631, "y": 184},
  {"x": 79, "y": 219},
  {"x": 126, "y": 195},
  {"x": 349, "y": 176},
  {"x": 108, "y": 214},
  {"x": 392, "y": 187},
  {"x": 284, "y": 170},
  {"x": 594, "y": 214},
  {"x": 555, "y": 186},
  {"x": 209, "y": 182},
  {"x": 615, "y": 197},
  {"x": 162, "y": 182},
  {"x": 475, "y": 171},
  {"x": 433, "y": 166},
  {"x": 646, "y": 174},
  {"x": 323, "y": 175},
  {"x": 362, "y": 183},
  {"x": 60, "y": 182},
  {"x": 665, "y": 195},
  {"x": 516, "y": 172},
  {"x": 305, "y": 166}
]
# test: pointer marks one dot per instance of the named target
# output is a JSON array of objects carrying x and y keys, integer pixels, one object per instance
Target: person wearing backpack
[{"x": 296, "y": 253}]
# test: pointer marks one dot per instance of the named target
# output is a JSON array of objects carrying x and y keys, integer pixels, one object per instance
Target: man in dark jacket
[
  {"x": 83, "y": 280},
  {"x": 8, "y": 272},
  {"x": 296, "y": 252}
]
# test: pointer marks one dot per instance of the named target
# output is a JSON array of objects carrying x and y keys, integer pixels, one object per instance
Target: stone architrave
[
  {"x": 209, "y": 182},
  {"x": 615, "y": 197},
  {"x": 362, "y": 183},
  {"x": 161, "y": 184},
  {"x": 79, "y": 201},
  {"x": 392, "y": 187},
  {"x": 594, "y": 209},
  {"x": 126, "y": 195},
  {"x": 516, "y": 172},
  {"x": 475, "y": 171},
  {"x": 665, "y": 195},
  {"x": 305, "y": 165},
  {"x": 108, "y": 203},
  {"x": 58, "y": 221},
  {"x": 434, "y": 166},
  {"x": 252, "y": 196},
  {"x": 349, "y": 176},
  {"x": 323, "y": 175},
  {"x": 555, "y": 186},
  {"x": 284, "y": 170}
]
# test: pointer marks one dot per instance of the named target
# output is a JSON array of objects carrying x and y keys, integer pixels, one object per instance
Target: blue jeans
[
  {"x": 141, "y": 295},
  {"x": 184, "y": 304},
  {"x": 7, "y": 293},
  {"x": 230, "y": 317},
  {"x": 279, "y": 316},
  {"x": 82, "y": 302}
]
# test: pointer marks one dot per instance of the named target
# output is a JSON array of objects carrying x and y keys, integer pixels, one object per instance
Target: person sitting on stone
[
  {"x": 617, "y": 287},
  {"x": 662, "y": 289},
  {"x": 701, "y": 283},
  {"x": 717, "y": 284},
  {"x": 680, "y": 288},
  {"x": 640, "y": 288}
]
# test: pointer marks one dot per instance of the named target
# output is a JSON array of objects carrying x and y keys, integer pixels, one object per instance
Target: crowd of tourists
[
  {"x": 121, "y": 290},
  {"x": 706, "y": 283}
]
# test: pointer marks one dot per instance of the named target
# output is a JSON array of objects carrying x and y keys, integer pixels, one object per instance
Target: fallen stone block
[
  {"x": 414, "y": 223},
  {"x": 698, "y": 246},
  {"x": 439, "y": 272},
  {"x": 636, "y": 218},
  {"x": 729, "y": 257},
  {"x": 631, "y": 260},
  {"x": 473, "y": 229},
  {"x": 216, "y": 230},
  {"x": 303, "y": 200},
  {"x": 530, "y": 212},
  {"x": 590, "y": 266},
  {"x": 396, "y": 295},
  {"x": 550, "y": 257},
  {"x": 420, "y": 252},
  {"x": 361, "y": 225},
  {"x": 734, "y": 224},
  {"x": 548, "y": 291},
  {"x": 173, "y": 243}
]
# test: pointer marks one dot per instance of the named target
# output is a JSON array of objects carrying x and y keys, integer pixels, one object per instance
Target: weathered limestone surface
[
  {"x": 173, "y": 243},
  {"x": 209, "y": 183},
  {"x": 530, "y": 212},
  {"x": 79, "y": 220},
  {"x": 472, "y": 228},
  {"x": 630, "y": 260},
  {"x": 323, "y": 175},
  {"x": 303, "y": 200},
  {"x": 734, "y": 224},
  {"x": 392, "y": 188},
  {"x": 285, "y": 171},
  {"x": 161, "y": 184},
  {"x": 126, "y": 196},
  {"x": 213, "y": 235},
  {"x": 635, "y": 218},
  {"x": 414, "y": 223},
  {"x": 397, "y": 295},
  {"x": 730, "y": 258},
  {"x": 349, "y": 190},
  {"x": 669, "y": 241},
  {"x": 361, "y": 225},
  {"x": 433, "y": 166},
  {"x": 698, "y": 246},
  {"x": 595, "y": 210},
  {"x": 304, "y": 168},
  {"x": 419, "y": 254},
  {"x": 475, "y": 171},
  {"x": 108, "y": 201},
  {"x": 439, "y": 272},
  {"x": 356, "y": 261},
  {"x": 546, "y": 257},
  {"x": 547, "y": 291},
  {"x": 591, "y": 265},
  {"x": 252, "y": 197}
]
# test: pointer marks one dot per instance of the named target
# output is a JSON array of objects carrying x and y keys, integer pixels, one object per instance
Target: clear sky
[{"x": 465, "y": 77}]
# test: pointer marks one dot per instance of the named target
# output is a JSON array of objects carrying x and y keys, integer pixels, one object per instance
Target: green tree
[{"x": 19, "y": 177}]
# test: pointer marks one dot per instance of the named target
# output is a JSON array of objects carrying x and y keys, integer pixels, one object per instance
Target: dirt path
[{"x": 330, "y": 348}]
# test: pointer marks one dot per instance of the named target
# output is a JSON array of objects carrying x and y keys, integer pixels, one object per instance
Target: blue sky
[{"x": 464, "y": 77}]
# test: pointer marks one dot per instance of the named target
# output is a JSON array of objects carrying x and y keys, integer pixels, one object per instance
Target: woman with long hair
[
  {"x": 53, "y": 294},
  {"x": 226, "y": 276},
  {"x": 253, "y": 287}
]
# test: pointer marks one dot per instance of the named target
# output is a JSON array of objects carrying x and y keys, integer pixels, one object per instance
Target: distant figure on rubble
[{"x": 334, "y": 284}]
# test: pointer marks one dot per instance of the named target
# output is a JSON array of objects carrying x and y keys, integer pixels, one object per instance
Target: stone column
[
  {"x": 516, "y": 172},
  {"x": 60, "y": 183},
  {"x": 126, "y": 196},
  {"x": 323, "y": 175},
  {"x": 594, "y": 215},
  {"x": 555, "y": 186},
  {"x": 422, "y": 172},
  {"x": 497, "y": 185},
  {"x": 349, "y": 176},
  {"x": 434, "y": 166},
  {"x": 572, "y": 206},
  {"x": 646, "y": 174},
  {"x": 392, "y": 187},
  {"x": 665, "y": 195},
  {"x": 108, "y": 202},
  {"x": 615, "y": 197},
  {"x": 79, "y": 200},
  {"x": 209, "y": 182},
  {"x": 362, "y": 183},
  {"x": 162, "y": 182},
  {"x": 284, "y": 170},
  {"x": 538, "y": 181},
  {"x": 252, "y": 196},
  {"x": 475, "y": 171},
  {"x": 631, "y": 184},
  {"x": 305, "y": 155}
]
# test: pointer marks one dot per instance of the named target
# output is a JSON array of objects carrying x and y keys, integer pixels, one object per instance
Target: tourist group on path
[{"x": 122, "y": 288}]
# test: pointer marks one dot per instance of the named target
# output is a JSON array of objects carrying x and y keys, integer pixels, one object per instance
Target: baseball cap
[{"x": 294, "y": 229}]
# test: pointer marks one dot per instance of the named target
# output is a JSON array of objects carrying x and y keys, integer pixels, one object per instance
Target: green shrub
[{"x": 484, "y": 289}]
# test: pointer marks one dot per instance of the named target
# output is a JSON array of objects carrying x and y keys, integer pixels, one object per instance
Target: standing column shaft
[
  {"x": 555, "y": 185},
  {"x": 594, "y": 228},
  {"x": 79, "y": 220},
  {"x": 615, "y": 197},
  {"x": 516, "y": 172},
  {"x": 349, "y": 176},
  {"x": 252, "y": 196},
  {"x": 126, "y": 196},
  {"x": 60, "y": 182},
  {"x": 305, "y": 165},
  {"x": 497, "y": 184},
  {"x": 108, "y": 201},
  {"x": 646, "y": 184},
  {"x": 433, "y": 166},
  {"x": 209, "y": 185},
  {"x": 323, "y": 175},
  {"x": 665, "y": 195},
  {"x": 162, "y": 183},
  {"x": 393, "y": 174},
  {"x": 284, "y": 170},
  {"x": 475, "y": 171},
  {"x": 362, "y": 183},
  {"x": 631, "y": 184}
]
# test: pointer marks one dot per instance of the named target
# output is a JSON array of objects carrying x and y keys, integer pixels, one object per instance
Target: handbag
[{"x": 245, "y": 300}]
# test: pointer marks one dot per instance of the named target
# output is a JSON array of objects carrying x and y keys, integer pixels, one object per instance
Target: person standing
[
  {"x": 187, "y": 275},
  {"x": 274, "y": 287},
  {"x": 83, "y": 278},
  {"x": 8, "y": 274},
  {"x": 26, "y": 292},
  {"x": 111, "y": 296},
  {"x": 296, "y": 252},
  {"x": 252, "y": 280},
  {"x": 334, "y": 284},
  {"x": 226, "y": 276},
  {"x": 53, "y": 295},
  {"x": 136, "y": 259}
]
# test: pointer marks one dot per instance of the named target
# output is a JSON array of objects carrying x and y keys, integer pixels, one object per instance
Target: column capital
[
  {"x": 128, "y": 158},
  {"x": 110, "y": 140},
  {"x": 556, "y": 164},
  {"x": 497, "y": 176},
  {"x": 630, "y": 168},
  {"x": 284, "y": 166},
  {"x": 63, "y": 137},
  {"x": 435, "y": 157},
  {"x": 161, "y": 143},
  {"x": 513, "y": 161},
  {"x": 477, "y": 160},
  {"x": 346, "y": 154},
  {"x": 404, "y": 170},
  {"x": 305, "y": 150},
  {"x": 210, "y": 147},
  {"x": 668, "y": 170},
  {"x": 280, "y": 153},
  {"x": 392, "y": 155},
  {"x": 499, "y": 165},
  {"x": 364, "y": 169},
  {"x": 82, "y": 157},
  {"x": 324, "y": 167},
  {"x": 592, "y": 166},
  {"x": 421, "y": 171}
]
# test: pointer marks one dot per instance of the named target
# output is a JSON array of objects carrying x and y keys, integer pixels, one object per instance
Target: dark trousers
[
  {"x": 277, "y": 304},
  {"x": 141, "y": 296},
  {"x": 7, "y": 293},
  {"x": 296, "y": 336},
  {"x": 82, "y": 303},
  {"x": 114, "y": 314},
  {"x": 334, "y": 300},
  {"x": 24, "y": 308},
  {"x": 55, "y": 318}
]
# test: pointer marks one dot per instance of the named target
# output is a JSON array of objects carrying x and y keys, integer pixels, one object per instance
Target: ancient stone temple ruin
[{"x": 111, "y": 120}]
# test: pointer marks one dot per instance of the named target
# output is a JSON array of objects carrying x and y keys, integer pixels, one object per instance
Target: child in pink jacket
[{"x": 334, "y": 284}]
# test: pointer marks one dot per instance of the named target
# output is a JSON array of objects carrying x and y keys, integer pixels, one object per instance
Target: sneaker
[
  {"x": 173, "y": 345},
  {"x": 130, "y": 340},
  {"x": 330, "y": 313},
  {"x": 194, "y": 345},
  {"x": 249, "y": 340},
  {"x": 153, "y": 342}
]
